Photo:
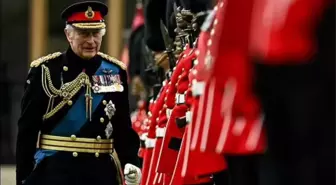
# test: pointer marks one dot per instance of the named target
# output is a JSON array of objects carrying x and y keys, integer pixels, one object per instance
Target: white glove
[
  {"x": 150, "y": 143},
  {"x": 143, "y": 136},
  {"x": 132, "y": 174}
]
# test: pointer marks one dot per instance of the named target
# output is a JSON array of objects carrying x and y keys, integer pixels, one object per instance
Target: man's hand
[
  {"x": 161, "y": 59},
  {"x": 132, "y": 174}
]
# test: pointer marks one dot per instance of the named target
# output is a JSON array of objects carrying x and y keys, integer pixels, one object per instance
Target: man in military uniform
[{"x": 75, "y": 106}]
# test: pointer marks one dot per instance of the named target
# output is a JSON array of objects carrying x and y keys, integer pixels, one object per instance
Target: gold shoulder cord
[
  {"x": 113, "y": 60},
  {"x": 67, "y": 90}
]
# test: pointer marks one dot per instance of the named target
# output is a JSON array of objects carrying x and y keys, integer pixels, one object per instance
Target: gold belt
[{"x": 74, "y": 144}]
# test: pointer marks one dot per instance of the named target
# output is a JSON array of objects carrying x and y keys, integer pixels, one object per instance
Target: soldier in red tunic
[
  {"x": 229, "y": 118},
  {"x": 153, "y": 135},
  {"x": 204, "y": 165},
  {"x": 173, "y": 136},
  {"x": 293, "y": 53},
  {"x": 197, "y": 164},
  {"x": 158, "y": 119},
  {"x": 140, "y": 125},
  {"x": 155, "y": 45},
  {"x": 149, "y": 143}
]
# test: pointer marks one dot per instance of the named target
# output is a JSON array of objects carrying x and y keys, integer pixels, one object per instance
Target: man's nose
[{"x": 90, "y": 38}]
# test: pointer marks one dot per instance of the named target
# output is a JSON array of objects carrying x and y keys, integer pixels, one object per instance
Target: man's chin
[{"x": 88, "y": 55}]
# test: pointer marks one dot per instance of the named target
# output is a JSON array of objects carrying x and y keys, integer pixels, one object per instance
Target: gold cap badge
[{"x": 89, "y": 13}]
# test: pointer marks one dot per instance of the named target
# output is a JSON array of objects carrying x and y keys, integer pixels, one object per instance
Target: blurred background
[{"x": 29, "y": 30}]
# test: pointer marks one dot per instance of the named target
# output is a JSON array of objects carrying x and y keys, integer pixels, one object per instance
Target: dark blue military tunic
[{"x": 74, "y": 144}]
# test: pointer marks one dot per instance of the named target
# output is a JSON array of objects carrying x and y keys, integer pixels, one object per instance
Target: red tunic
[
  {"x": 200, "y": 165},
  {"x": 230, "y": 119},
  {"x": 151, "y": 138},
  {"x": 173, "y": 136},
  {"x": 283, "y": 32},
  {"x": 140, "y": 125},
  {"x": 207, "y": 162},
  {"x": 159, "y": 134}
]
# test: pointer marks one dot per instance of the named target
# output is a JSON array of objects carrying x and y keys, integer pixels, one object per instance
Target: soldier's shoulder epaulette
[
  {"x": 113, "y": 60},
  {"x": 43, "y": 59}
]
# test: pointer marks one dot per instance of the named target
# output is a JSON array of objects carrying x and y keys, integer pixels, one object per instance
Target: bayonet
[
  {"x": 169, "y": 45},
  {"x": 175, "y": 8}
]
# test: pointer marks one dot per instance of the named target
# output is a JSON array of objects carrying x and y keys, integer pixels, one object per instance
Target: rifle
[{"x": 153, "y": 74}]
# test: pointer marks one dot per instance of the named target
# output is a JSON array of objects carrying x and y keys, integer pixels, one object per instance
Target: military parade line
[{"x": 229, "y": 92}]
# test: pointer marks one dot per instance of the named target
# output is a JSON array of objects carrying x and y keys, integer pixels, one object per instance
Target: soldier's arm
[
  {"x": 126, "y": 140},
  {"x": 29, "y": 124}
]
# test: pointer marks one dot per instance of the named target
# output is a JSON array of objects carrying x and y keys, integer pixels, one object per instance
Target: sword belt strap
[{"x": 74, "y": 144}]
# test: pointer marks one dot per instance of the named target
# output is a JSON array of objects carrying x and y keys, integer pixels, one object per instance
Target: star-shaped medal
[
  {"x": 108, "y": 130},
  {"x": 110, "y": 109}
]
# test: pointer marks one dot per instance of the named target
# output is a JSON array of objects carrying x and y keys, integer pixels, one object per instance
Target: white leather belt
[
  {"x": 188, "y": 116},
  {"x": 168, "y": 112},
  {"x": 197, "y": 88},
  {"x": 150, "y": 143},
  {"x": 160, "y": 132},
  {"x": 179, "y": 98}
]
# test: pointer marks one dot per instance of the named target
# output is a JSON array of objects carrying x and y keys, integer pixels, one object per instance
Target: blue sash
[{"x": 75, "y": 119}]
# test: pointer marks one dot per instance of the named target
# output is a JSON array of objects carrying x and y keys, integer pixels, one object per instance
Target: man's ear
[{"x": 68, "y": 35}]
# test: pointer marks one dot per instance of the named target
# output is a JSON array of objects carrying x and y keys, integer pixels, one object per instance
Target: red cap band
[{"x": 84, "y": 17}]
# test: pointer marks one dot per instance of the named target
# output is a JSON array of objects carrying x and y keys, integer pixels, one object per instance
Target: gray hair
[{"x": 69, "y": 28}]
